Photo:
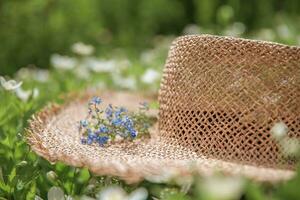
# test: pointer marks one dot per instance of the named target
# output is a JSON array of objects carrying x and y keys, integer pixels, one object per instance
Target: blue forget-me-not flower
[{"x": 103, "y": 125}]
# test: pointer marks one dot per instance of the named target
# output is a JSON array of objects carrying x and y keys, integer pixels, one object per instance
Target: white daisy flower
[
  {"x": 138, "y": 194},
  {"x": 112, "y": 193},
  {"x": 9, "y": 84},
  {"x": 98, "y": 66},
  {"x": 63, "y": 62},
  {"x": 82, "y": 49},
  {"x": 150, "y": 76},
  {"x": 25, "y": 94},
  {"x": 40, "y": 75}
]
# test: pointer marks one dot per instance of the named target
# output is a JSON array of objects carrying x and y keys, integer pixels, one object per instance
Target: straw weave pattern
[{"x": 220, "y": 96}]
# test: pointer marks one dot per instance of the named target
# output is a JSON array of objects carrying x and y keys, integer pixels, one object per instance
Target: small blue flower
[
  {"x": 109, "y": 112},
  {"x": 96, "y": 100},
  {"x": 117, "y": 122},
  {"x": 83, "y": 141},
  {"x": 120, "y": 111},
  {"x": 84, "y": 123},
  {"x": 103, "y": 129},
  {"x": 133, "y": 133},
  {"x": 89, "y": 141},
  {"x": 127, "y": 122},
  {"x": 102, "y": 140},
  {"x": 91, "y": 137}
]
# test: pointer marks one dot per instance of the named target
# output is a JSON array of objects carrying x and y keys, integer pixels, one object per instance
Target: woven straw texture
[{"x": 219, "y": 97}]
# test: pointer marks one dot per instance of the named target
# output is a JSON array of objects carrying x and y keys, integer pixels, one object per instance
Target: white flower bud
[
  {"x": 279, "y": 130},
  {"x": 22, "y": 163},
  {"x": 51, "y": 175}
]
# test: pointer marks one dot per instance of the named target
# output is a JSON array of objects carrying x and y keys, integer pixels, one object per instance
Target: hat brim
[{"x": 53, "y": 134}]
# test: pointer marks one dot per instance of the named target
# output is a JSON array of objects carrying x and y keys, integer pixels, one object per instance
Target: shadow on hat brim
[{"x": 53, "y": 134}]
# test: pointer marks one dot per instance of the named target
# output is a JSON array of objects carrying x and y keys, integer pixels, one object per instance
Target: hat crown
[{"x": 220, "y": 96}]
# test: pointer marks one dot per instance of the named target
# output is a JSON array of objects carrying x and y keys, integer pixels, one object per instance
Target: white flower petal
[
  {"x": 98, "y": 66},
  {"x": 127, "y": 83},
  {"x": 63, "y": 62},
  {"x": 36, "y": 197},
  {"x": 150, "y": 76},
  {"x": 69, "y": 197},
  {"x": 112, "y": 193},
  {"x": 10, "y": 84},
  {"x": 279, "y": 130},
  {"x": 35, "y": 92},
  {"x": 191, "y": 29},
  {"x": 82, "y": 49},
  {"x": 2, "y": 80},
  {"x": 23, "y": 94},
  {"x": 41, "y": 75},
  {"x": 167, "y": 175},
  {"x": 138, "y": 194},
  {"x": 55, "y": 193},
  {"x": 223, "y": 188}
]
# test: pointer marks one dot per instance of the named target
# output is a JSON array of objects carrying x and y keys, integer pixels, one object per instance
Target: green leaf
[
  {"x": 290, "y": 189},
  {"x": 254, "y": 192},
  {"x": 3, "y": 186},
  {"x": 84, "y": 175},
  {"x": 31, "y": 192},
  {"x": 12, "y": 175},
  {"x": 1, "y": 175}
]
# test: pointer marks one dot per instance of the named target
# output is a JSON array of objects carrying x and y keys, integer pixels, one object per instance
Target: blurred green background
[{"x": 32, "y": 30}]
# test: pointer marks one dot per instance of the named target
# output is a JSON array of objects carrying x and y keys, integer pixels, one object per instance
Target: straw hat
[{"x": 219, "y": 97}]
